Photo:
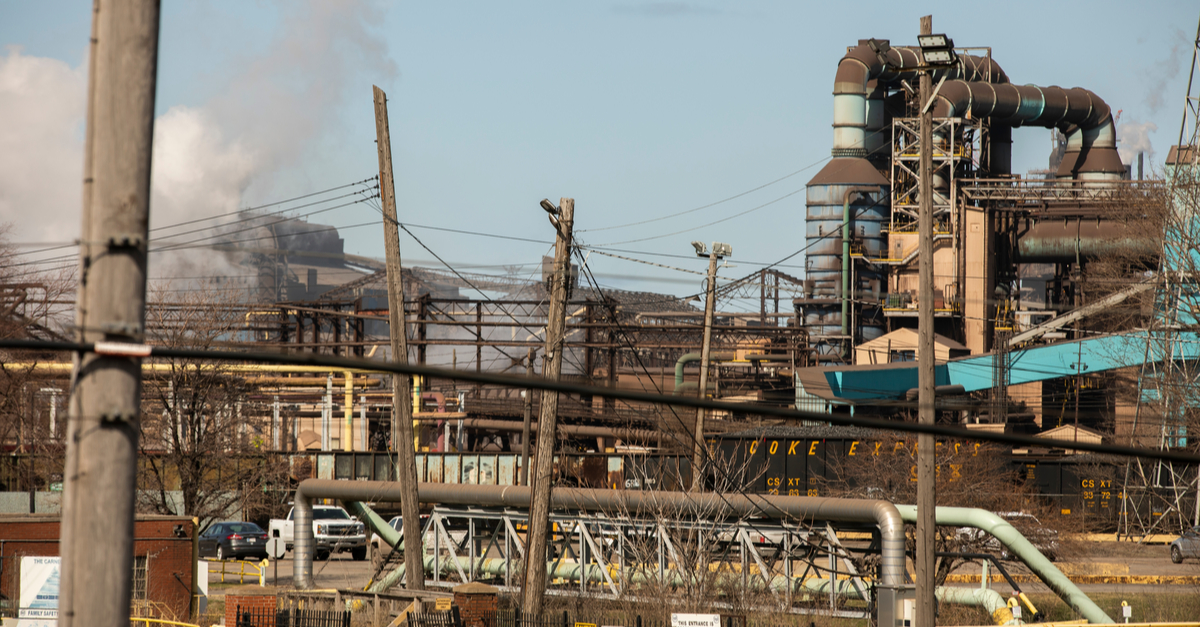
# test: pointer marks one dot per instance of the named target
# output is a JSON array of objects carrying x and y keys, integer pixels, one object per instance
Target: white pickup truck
[{"x": 334, "y": 530}]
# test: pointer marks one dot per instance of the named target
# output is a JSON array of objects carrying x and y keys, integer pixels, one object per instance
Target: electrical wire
[
  {"x": 712, "y": 204},
  {"x": 519, "y": 382}
]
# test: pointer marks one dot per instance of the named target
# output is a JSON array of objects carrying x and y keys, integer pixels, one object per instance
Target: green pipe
[
  {"x": 1019, "y": 546},
  {"x": 687, "y": 358},
  {"x": 847, "y": 229},
  {"x": 990, "y": 600}
]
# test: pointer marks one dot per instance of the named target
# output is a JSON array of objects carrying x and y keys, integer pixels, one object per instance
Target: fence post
[{"x": 566, "y": 623}]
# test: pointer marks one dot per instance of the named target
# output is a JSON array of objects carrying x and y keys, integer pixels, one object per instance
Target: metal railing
[
  {"x": 134, "y": 621},
  {"x": 259, "y": 569}
]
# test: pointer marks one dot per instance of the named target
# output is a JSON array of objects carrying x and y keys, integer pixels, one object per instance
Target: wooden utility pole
[
  {"x": 926, "y": 471},
  {"x": 402, "y": 429},
  {"x": 102, "y": 443},
  {"x": 710, "y": 300},
  {"x": 563, "y": 219},
  {"x": 528, "y": 418}
]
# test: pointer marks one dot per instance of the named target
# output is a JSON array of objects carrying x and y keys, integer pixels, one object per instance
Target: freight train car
[{"x": 797, "y": 461}]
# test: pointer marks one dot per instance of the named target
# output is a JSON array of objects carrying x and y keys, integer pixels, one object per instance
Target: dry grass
[{"x": 1175, "y": 606}]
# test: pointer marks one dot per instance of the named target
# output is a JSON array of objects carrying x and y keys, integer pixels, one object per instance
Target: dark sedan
[{"x": 231, "y": 540}]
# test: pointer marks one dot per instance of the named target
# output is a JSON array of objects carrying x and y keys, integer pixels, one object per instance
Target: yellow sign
[
  {"x": 585, "y": 624},
  {"x": 443, "y": 604}
]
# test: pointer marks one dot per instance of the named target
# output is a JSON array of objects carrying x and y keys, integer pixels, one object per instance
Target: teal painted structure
[{"x": 856, "y": 384}]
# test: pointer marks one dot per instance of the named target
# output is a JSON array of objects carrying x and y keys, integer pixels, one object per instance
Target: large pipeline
[
  {"x": 882, "y": 513},
  {"x": 1066, "y": 241},
  {"x": 990, "y": 600},
  {"x": 1022, "y": 548},
  {"x": 1081, "y": 115},
  {"x": 861, "y": 77}
]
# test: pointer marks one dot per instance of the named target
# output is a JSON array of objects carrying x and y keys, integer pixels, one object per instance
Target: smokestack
[{"x": 1141, "y": 159}]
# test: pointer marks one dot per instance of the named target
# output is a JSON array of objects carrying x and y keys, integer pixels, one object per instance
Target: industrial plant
[{"x": 722, "y": 457}]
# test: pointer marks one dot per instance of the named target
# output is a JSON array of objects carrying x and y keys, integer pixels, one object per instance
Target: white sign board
[
  {"x": 39, "y": 591},
  {"x": 695, "y": 620}
]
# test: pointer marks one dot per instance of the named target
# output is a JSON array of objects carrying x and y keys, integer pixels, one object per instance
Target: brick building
[{"x": 162, "y": 577}]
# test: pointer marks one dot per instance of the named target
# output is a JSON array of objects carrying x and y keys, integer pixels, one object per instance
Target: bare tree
[
  {"x": 34, "y": 304},
  {"x": 969, "y": 474},
  {"x": 202, "y": 446}
]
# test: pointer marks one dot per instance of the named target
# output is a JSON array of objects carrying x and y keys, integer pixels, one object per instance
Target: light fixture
[
  {"x": 701, "y": 249},
  {"x": 934, "y": 41},
  {"x": 549, "y": 207},
  {"x": 722, "y": 250},
  {"x": 938, "y": 57},
  {"x": 937, "y": 49},
  {"x": 880, "y": 47}
]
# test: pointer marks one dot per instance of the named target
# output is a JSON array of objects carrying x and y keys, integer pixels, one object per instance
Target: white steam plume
[
  {"x": 1134, "y": 137},
  {"x": 41, "y": 146},
  {"x": 264, "y": 126}
]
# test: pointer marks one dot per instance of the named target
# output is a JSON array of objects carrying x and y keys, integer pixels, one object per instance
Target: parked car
[
  {"x": 1186, "y": 545},
  {"x": 231, "y": 540}
]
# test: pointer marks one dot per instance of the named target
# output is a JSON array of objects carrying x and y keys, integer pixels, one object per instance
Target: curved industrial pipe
[
  {"x": 437, "y": 397},
  {"x": 1080, "y": 114},
  {"x": 882, "y": 513},
  {"x": 852, "y": 86},
  {"x": 688, "y": 358},
  {"x": 1019, "y": 546}
]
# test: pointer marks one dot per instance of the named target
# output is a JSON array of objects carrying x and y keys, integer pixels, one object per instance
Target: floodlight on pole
[
  {"x": 934, "y": 41},
  {"x": 549, "y": 207},
  {"x": 719, "y": 249},
  {"x": 937, "y": 49}
]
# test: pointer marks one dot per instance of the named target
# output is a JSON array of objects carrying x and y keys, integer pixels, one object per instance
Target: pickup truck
[{"x": 333, "y": 529}]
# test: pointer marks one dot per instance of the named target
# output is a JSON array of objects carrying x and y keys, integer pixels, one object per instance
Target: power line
[
  {"x": 563, "y": 387},
  {"x": 712, "y": 204}
]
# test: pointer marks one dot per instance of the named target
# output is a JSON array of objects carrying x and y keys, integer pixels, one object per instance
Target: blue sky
[{"x": 637, "y": 110}]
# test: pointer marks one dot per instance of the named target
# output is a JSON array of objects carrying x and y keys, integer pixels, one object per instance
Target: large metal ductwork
[
  {"x": 861, "y": 135},
  {"x": 1081, "y": 115},
  {"x": 1000, "y": 529},
  {"x": 829, "y": 199},
  {"x": 880, "y": 513},
  {"x": 1070, "y": 240},
  {"x": 862, "y": 77}
]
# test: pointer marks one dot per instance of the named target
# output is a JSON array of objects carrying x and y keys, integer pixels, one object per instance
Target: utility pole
[
  {"x": 563, "y": 219},
  {"x": 528, "y": 418},
  {"x": 718, "y": 251},
  {"x": 926, "y": 471},
  {"x": 102, "y": 435},
  {"x": 402, "y": 428}
]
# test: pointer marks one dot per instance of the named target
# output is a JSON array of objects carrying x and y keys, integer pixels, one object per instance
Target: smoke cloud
[
  {"x": 1159, "y": 75},
  {"x": 269, "y": 121},
  {"x": 1134, "y": 137},
  {"x": 41, "y": 146}
]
